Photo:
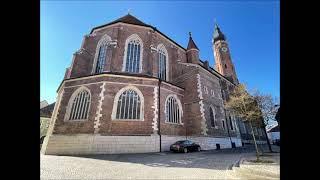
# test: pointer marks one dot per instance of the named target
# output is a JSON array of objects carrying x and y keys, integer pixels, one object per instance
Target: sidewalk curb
[{"x": 236, "y": 163}]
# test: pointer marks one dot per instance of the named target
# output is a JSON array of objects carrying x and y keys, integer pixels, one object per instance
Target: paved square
[{"x": 196, "y": 165}]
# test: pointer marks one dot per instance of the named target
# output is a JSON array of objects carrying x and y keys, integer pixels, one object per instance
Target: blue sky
[{"x": 252, "y": 29}]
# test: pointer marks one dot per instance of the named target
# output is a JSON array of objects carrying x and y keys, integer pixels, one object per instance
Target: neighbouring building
[
  {"x": 43, "y": 104},
  {"x": 45, "y": 116},
  {"x": 277, "y": 117},
  {"x": 274, "y": 134},
  {"x": 132, "y": 89}
]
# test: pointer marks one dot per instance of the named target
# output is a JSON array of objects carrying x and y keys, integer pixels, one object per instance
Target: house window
[
  {"x": 133, "y": 54},
  {"x": 225, "y": 66},
  {"x": 80, "y": 106},
  {"x": 212, "y": 115},
  {"x": 129, "y": 105},
  {"x": 173, "y": 110},
  {"x": 162, "y": 61},
  {"x": 101, "y": 58}
]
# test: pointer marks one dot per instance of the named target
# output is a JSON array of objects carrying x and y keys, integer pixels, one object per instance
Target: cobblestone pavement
[{"x": 196, "y": 165}]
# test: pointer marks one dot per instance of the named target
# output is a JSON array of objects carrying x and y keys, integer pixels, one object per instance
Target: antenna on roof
[{"x": 129, "y": 11}]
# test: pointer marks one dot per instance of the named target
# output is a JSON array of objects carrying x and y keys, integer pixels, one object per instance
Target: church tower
[{"x": 222, "y": 56}]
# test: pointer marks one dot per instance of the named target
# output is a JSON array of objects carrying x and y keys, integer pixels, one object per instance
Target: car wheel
[
  {"x": 199, "y": 149},
  {"x": 185, "y": 150}
]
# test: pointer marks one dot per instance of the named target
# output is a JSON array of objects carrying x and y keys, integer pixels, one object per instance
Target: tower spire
[
  {"x": 217, "y": 34},
  {"x": 222, "y": 56},
  {"x": 191, "y": 44},
  {"x": 192, "y": 51}
]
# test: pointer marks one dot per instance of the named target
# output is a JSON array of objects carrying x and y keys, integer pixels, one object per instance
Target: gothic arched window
[
  {"x": 80, "y": 103},
  {"x": 162, "y": 62},
  {"x": 129, "y": 105},
  {"x": 133, "y": 54},
  {"x": 101, "y": 58},
  {"x": 101, "y": 54},
  {"x": 173, "y": 110}
]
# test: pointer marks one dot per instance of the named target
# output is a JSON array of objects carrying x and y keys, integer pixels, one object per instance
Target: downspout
[{"x": 159, "y": 132}]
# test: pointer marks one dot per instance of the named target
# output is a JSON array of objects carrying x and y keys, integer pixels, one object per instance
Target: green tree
[{"x": 244, "y": 105}]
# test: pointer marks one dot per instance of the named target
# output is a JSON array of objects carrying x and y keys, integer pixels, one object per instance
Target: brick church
[{"x": 132, "y": 89}]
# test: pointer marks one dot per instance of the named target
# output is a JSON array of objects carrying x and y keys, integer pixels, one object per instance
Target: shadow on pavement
[{"x": 211, "y": 159}]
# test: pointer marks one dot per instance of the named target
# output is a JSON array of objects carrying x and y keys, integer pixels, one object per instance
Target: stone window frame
[
  {"x": 71, "y": 99},
  {"x": 116, "y": 99},
  {"x": 235, "y": 123},
  {"x": 205, "y": 89},
  {"x": 162, "y": 48},
  {"x": 132, "y": 37},
  {"x": 231, "y": 125},
  {"x": 180, "y": 109},
  {"x": 212, "y": 93},
  {"x": 104, "y": 41},
  {"x": 214, "y": 116},
  {"x": 223, "y": 124}
]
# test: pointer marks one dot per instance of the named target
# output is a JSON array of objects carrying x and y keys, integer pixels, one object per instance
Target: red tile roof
[{"x": 191, "y": 44}]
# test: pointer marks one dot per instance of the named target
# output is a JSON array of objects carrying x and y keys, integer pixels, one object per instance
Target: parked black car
[
  {"x": 185, "y": 146},
  {"x": 277, "y": 142}
]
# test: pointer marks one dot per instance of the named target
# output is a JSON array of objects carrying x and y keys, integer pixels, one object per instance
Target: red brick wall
[
  {"x": 82, "y": 65},
  {"x": 166, "y": 128},
  {"x": 114, "y": 127}
]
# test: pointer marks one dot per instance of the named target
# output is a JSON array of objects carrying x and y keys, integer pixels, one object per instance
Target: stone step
[
  {"x": 269, "y": 171},
  {"x": 245, "y": 174},
  {"x": 231, "y": 174}
]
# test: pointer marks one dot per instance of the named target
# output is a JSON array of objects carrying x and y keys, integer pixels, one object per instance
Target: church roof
[
  {"x": 191, "y": 44},
  {"x": 218, "y": 35},
  {"x": 129, "y": 19}
]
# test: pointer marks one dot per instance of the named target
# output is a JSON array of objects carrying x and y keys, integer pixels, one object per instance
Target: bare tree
[
  {"x": 245, "y": 107},
  {"x": 267, "y": 105}
]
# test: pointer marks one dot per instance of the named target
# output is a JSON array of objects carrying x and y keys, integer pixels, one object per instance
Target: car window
[{"x": 180, "y": 142}]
